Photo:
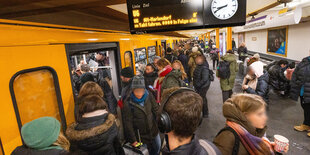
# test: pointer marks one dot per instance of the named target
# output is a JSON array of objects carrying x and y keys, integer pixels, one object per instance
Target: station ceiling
[{"x": 102, "y": 14}]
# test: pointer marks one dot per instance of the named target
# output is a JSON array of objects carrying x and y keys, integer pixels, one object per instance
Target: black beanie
[
  {"x": 127, "y": 72},
  {"x": 86, "y": 77}
]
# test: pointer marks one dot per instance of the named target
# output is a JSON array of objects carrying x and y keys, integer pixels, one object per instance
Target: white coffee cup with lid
[{"x": 280, "y": 143}]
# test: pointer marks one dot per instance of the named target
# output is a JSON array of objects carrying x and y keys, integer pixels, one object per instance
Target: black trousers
[
  {"x": 217, "y": 63},
  {"x": 203, "y": 93},
  {"x": 226, "y": 95},
  {"x": 306, "y": 108}
]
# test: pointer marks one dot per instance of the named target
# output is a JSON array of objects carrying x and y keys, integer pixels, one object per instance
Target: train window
[
  {"x": 151, "y": 50},
  {"x": 36, "y": 93},
  {"x": 1, "y": 148},
  {"x": 140, "y": 59},
  {"x": 128, "y": 59}
]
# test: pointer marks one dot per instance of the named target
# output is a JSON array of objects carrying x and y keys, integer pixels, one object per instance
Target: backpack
[
  {"x": 224, "y": 70},
  {"x": 211, "y": 75},
  {"x": 235, "y": 150},
  {"x": 209, "y": 147}
]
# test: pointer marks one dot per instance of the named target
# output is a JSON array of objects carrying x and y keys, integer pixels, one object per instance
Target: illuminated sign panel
[{"x": 167, "y": 15}]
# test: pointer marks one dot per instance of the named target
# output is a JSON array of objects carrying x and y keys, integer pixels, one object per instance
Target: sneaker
[{"x": 302, "y": 127}]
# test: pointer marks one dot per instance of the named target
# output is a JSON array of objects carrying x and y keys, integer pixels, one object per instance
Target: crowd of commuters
[{"x": 162, "y": 108}]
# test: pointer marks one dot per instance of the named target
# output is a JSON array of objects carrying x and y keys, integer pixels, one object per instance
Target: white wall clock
[{"x": 224, "y": 9}]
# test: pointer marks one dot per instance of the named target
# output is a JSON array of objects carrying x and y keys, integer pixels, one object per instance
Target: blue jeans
[{"x": 156, "y": 145}]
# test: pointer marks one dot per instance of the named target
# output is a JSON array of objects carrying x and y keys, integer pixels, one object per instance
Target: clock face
[{"x": 224, "y": 9}]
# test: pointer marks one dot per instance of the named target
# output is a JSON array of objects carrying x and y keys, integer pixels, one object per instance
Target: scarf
[
  {"x": 141, "y": 100},
  {"x": 161, "y": 76},
  {"x": 254, "y": 145},
  {"x": 250, "y": 81}
]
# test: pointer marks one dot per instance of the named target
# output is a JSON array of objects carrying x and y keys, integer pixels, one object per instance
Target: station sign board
[{"x": 170, "y": 15}]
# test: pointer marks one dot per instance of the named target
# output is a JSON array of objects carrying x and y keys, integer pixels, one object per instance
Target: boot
[{"x": 302, "y": 127}]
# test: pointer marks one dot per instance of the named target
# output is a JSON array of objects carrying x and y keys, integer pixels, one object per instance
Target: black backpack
[
  {"x": 235, "y": 150},
  {"x": 211, "y": 75},
  {"x": 224, "y": 70}
]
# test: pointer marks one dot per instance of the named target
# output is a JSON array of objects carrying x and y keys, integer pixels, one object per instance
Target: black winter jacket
[
  {"x": 262, "y": 87},
  {"x": 184, "y": 60},
  {"x": 201, "y": 76},
  {"x": 277, "y": 78},
  {"x": 170, "y": 57},
  {"x": 150, "y": 78},
  {"x": 192, "y": 148},
  {"x": 23, "y": 150},
  {"x": 108, "y": 95},
  {"x": 301, "y": 77},
  {"x": 136, "y": 117},
  {"x": 95, "y": 135}
]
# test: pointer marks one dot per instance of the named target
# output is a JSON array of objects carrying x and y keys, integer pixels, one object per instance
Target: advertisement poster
[{"x": 277, "y": 40}]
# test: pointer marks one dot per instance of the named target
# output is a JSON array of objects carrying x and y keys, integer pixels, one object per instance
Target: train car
[{"x": 37, "y": 62}]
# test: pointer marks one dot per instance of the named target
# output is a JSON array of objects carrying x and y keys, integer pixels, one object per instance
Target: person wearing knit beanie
[
  {"x": 40, "y": 136},
  {"x": 138, "y": 82},
  {"x": 127, "y": 72}
]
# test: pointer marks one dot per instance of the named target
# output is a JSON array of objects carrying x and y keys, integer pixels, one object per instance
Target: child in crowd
[{"x": 42, "y": 136}]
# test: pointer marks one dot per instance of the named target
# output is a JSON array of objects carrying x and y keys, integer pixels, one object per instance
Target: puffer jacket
[
  {"x": 228, "y": 84},
  {"x": 201, "y": 76},
  {"x": 192, "y": 63},
  {"x": 262, "y": 87},
  {"x": 171, "y": 80},
  {"x": 142, "y": 118},
  {"x": 277, "y": 78},
  {"x": 95, "y": 135},
  {"x": 225, "y": 140},
  {"x": 23, "y": 150},
  {"x": 301, "y": 78}
]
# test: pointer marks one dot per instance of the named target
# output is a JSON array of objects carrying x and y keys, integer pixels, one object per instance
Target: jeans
[
  {"x": 226, "y": 94},
  {"x": 155, "y": 146},
  {"x": 203, "y": 93},
  {"x": 306, "y": 108}
]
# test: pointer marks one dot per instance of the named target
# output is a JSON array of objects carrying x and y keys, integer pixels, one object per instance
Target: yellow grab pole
[
  {"x": 229, "y": 38},
  {"x": 217, "y": 35}
]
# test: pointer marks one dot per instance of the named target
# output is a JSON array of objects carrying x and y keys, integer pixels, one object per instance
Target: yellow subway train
[{"x": 36, "y": 65}]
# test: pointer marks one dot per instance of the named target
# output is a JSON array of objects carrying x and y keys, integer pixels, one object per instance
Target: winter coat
[
  {"x": 126, "y": 88},
  {"x": 242, "y": 51},
  {"x": 142, "y": 118},
  {"x": 171, "y": 80},
  {"x": 225, "y": 140},
  {"x": 214, "y": 54},
  {"x": 95, "y": 135},
  {"x": 262, "y": 87},
  {"x": 228, "y": 84},
  {"x": 108, "y": 95},
  {"x": 150, "y": 78},
  {"x": 192, "y": 63},
  {"x": 250, "y": 81},
  {"x": 184, "y": 60},
  {"x": 170, "y": 58},
  {"x": 192, "y": 148},
  {"x": 201, "y": 76},
  {"x": 277, "y": 78},
  {"x": 23, "y": 150},
  {"x": 301, "y": 78}
]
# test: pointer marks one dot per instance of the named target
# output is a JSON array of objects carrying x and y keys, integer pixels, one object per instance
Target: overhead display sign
[{"x": 169, "y": 15}]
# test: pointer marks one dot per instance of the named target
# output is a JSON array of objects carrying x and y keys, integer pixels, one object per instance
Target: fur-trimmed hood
[{"x": 78, "y": 135}]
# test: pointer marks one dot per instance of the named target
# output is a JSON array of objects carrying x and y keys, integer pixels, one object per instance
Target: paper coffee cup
[{"x": 280, "y": 143}]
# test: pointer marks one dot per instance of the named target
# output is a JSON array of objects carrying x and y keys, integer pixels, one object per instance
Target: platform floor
[{"x": 283, "y": 115}]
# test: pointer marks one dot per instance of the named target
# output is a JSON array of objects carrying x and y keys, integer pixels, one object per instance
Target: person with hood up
[
  {"x": 191, "y": 61},
  {"x": 259, "y": 85},
  {"x": 167, "y": 78},
  {"x": 42, "y": 136},
  {"x": 201, "y": 81},
  {"x": 228, "y": 84},
  {"x": 245, "y": 131},
  {"x": 95, "y": 132},
  {"x": 139, "y": 117}
]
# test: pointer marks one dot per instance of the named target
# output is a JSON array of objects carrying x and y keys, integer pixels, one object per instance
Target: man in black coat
[
  {"x": 277, "y": 78},
  {"x": 202, "y": 81},
  {"x": 184, "y": 60},
  {"x": 300, "y": 87}
]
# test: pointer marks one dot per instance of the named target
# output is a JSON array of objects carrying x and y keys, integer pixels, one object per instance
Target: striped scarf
[{"x": 254, "y": 145}]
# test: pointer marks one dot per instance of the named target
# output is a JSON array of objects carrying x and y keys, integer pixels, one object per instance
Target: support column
[
  {"x": 229, "y": 38},
  {"x": 217, "y": 36}
]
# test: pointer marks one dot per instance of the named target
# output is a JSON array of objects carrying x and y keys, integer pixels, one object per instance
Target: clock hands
[{"x": 221, "y": 7}]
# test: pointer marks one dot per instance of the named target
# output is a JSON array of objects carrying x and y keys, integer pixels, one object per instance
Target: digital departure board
[{"x": 169, "y": 15}]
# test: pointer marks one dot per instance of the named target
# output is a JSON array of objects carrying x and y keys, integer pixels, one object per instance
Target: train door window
[
  {"x": 103, "y": 60},
  {"x": 140, "y": 59},
  {"x": 128, "y": 59},
  {"x": 36, "y": 93},
  {"x": 151, "y": 50}
]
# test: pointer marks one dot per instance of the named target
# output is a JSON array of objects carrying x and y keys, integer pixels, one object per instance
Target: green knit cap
[{"x": 41, "y": 133}]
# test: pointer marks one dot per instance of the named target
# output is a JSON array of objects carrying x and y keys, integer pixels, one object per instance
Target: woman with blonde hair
[
  {"x": 177, "y": 64},
  {"x": 245, "y": 132},
  {"x": 42, "y": 136}
]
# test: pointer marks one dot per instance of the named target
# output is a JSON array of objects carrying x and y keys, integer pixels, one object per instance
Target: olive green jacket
[{"x": 228, "y": 84}]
